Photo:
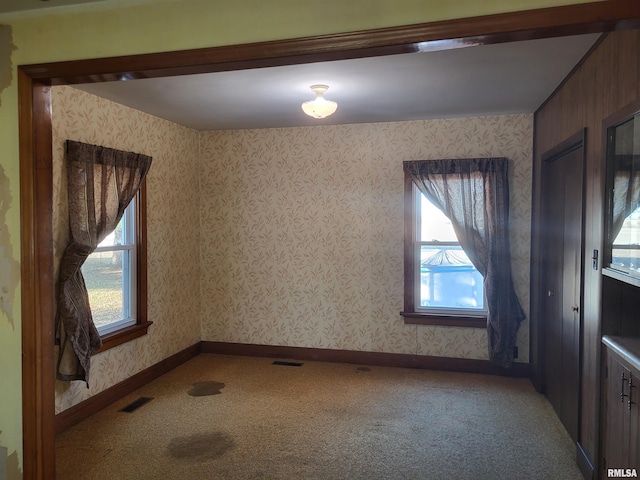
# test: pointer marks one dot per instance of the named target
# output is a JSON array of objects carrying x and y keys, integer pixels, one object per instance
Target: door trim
[
  {"x": 574, "y": 142},
  {"x": 536, "y": 344}
]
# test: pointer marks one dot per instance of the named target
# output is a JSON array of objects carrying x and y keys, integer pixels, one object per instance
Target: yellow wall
[{"x": 116, "y": 27}]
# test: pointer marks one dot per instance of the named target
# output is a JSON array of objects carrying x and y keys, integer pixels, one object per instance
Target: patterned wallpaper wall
[
  {"x": 302, "y": 232},
  {"x": 173, "y": 230},
  {"x": 300, "y": 241}
]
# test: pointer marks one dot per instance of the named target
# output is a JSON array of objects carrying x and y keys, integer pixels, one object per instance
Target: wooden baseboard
[
  {"x": 94, "y": 404},
  {"x": 366, "y": 358},
  {"x": 584, "y": 463}
]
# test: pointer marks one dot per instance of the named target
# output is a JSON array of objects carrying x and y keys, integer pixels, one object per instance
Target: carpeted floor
[{"x": 228, "y": 417}]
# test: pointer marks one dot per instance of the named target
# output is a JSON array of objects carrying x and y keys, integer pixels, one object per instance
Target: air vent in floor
[{"x": 288, "y": 364}]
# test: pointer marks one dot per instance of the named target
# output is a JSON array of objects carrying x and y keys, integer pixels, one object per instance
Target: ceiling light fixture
[{"x": 320, "y": 107}]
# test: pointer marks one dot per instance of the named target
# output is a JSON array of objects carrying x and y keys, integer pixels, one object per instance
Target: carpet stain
[
  {"x": 201, "y": 447},
  {"x": 363, "y": 369},
  {"x": 204, "y": 389}
]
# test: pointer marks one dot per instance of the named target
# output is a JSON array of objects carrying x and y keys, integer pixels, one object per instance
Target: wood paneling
[
  {"x": 620, "y": 307},
  {"x": 35, "y": 148},
  {"x": 606, "y": 81}
]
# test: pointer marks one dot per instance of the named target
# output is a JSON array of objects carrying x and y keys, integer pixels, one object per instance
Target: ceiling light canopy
[{"x": 320, "y": 107}]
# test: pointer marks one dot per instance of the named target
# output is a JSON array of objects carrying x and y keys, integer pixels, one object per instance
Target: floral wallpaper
[
  {"x": 172, "y": 229},
  {"x": 302, "y": 232},
  {"x": 287, "y": 236}
]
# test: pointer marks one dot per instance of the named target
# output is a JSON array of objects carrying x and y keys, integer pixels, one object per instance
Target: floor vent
[
  {"x": 136, "y": 404},
  {"x": 288, "y": 364}
]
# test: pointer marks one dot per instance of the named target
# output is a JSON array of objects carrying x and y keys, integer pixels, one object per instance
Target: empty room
[{"x": 396, "y": 244}]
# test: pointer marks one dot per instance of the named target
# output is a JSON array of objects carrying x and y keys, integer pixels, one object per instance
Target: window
[
  {"x": 622, "y": 220},
  {"x": 442, "y": 286},
  {"x": 110, "y": 276},
  {"x": 115, "y": 277}
]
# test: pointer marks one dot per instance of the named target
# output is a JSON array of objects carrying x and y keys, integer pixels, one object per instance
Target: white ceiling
[{"x": 480, "y": 80}]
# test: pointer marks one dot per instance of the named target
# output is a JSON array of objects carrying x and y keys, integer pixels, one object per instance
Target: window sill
[
  {"x": 413, "y": 318},
  {"x": 123, "y": 336}
]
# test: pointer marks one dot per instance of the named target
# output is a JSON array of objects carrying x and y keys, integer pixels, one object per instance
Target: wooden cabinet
[{"x": 621, "y": 404}]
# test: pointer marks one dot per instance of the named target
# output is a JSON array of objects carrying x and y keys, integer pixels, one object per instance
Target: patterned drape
[
  {"x": 474, "y": 194},
  {"x": 101, "y": 184}
]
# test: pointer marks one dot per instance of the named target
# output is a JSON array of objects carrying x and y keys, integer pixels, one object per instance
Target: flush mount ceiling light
[{"x": 320, "y": 107}]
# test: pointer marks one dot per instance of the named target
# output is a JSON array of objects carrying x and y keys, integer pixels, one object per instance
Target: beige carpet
[{"x": 227, "y": 417}]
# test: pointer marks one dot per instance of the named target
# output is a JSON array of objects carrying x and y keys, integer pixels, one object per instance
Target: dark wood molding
[
  {"x": 412, "y": 318},
  {"x": 499, "y": 28},
  {"x": 141, "y": 257},
  {"x": 36, "y": 193},
  {"x": 36, "y": 156},
  {"x": 94, "y": 404},
  {"x": 378, "y": 359},
  {"x": 409, "y": 238},
  {"x": 570, "y": 144},
  {"x": 625, "y": 113},
  {"x": 123, "y": 336}
]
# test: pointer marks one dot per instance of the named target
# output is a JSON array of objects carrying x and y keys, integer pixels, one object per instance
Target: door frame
[
  {"x": 34, "y": 107},
  {"x": 576, "y": 142}
]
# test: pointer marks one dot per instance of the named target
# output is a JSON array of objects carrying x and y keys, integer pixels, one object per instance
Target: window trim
[
  {"x": 141, "y": 327},
  {"x": 411, "y": 316}
]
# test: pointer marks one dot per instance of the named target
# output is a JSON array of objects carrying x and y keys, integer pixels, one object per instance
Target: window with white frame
[{"x": 110, "y": 275}]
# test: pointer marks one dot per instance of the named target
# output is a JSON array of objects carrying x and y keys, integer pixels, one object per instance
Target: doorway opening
[{"x": 34, "y": 84}]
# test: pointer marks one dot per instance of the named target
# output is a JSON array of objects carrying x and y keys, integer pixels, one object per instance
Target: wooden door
[{"x": 561, "y": 281}]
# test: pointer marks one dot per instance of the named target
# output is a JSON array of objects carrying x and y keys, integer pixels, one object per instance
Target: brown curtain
[
  {"x": 474, "y": 194},
  {"x": 101, "y": 183}
]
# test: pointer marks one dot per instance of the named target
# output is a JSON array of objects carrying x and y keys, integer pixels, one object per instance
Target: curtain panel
[
  {"x": 626, "y": 190},
  {"x": 101, "y": 184},
  {"x": 474, "y": 195}
]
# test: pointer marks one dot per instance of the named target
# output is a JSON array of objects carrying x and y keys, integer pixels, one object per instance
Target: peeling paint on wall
[
  {"x": 13, "y": 467},
  {"x": 9, "y": 266},
  {"x": 6, "y": 47},
  {"x": 3, "y": 462},
  {"x": 9, "y": 465}
]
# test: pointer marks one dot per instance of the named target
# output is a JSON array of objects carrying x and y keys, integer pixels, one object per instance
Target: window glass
[
  {"x": 447, "y": 282},
  {"x": 623, "y": 202},
  {"x": 110, "y": 277}
]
